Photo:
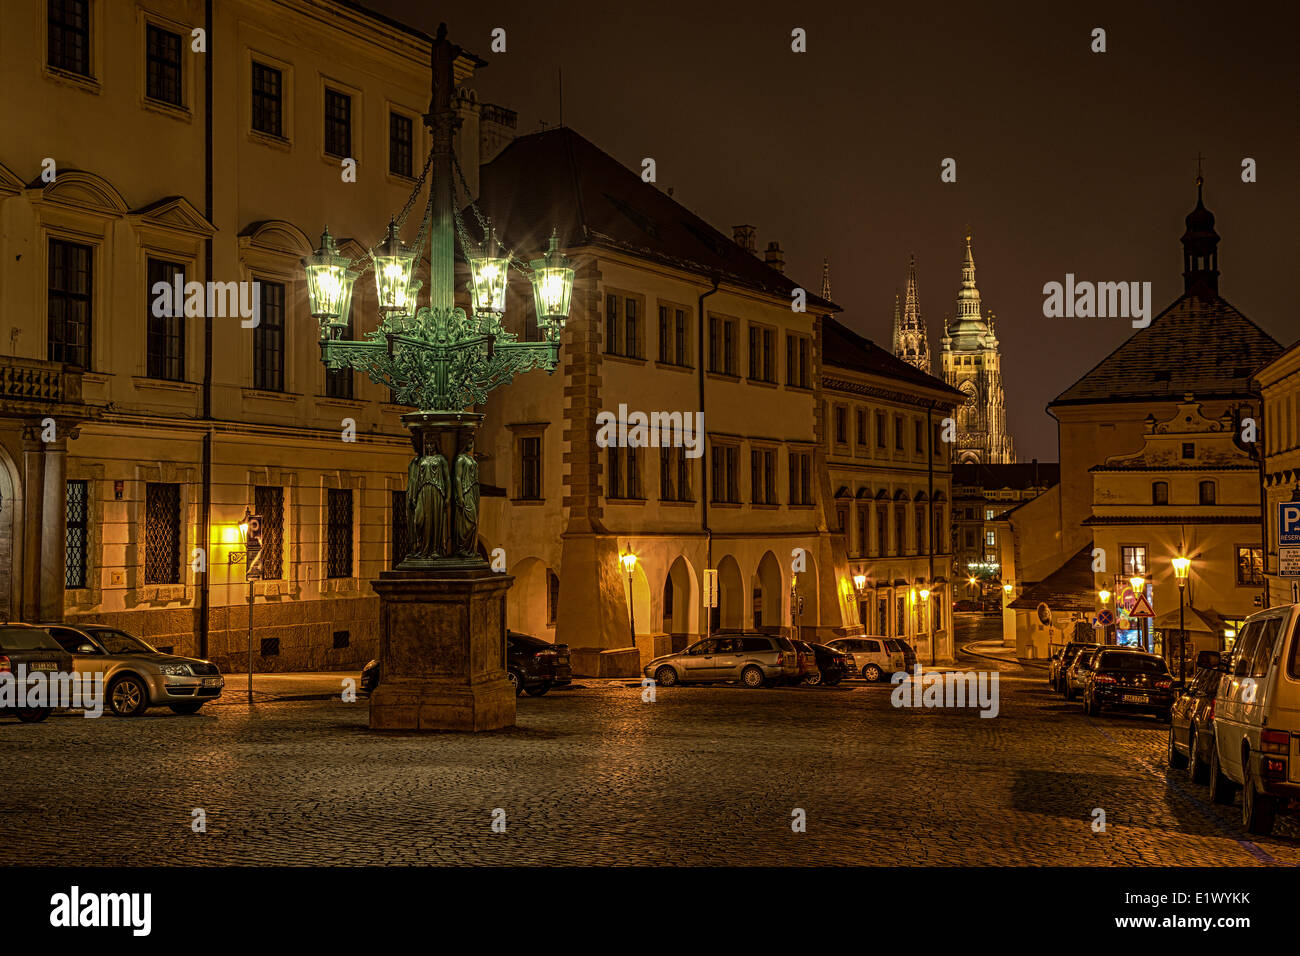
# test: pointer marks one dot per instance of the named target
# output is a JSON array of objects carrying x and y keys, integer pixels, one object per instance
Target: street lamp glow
[
  {"x": 1181, "y": 566},
  {"x": 394, "y": 264},
  {"x": 552, "y": 287},
  {"x": 1007, "y": 587},
  {"x": 1104, "y": 596},
  {"x": 329, "y": 286},
  {"x": 925, "y": 594},
  {"x": 488, "y": 274},
  {"x": 859, "y": 581},
  {"x": 629, "y": 563}
]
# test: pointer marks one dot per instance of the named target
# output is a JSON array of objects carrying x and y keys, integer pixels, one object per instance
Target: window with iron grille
[
  {"x": 399, "y": 144},
  {"x": 1250, "y": 565},
  {"x": 339, "y": 533},
  {"x": 164, "y": 334},
  {"x": 268, "y": 340},
  {"x": 162, "y": 65},
  {"x": 268, "y": 502},
  {"x": 398, "y": 530},
  {"x": 268, "y": 85},
  {"x": 75, "y": 549},
  {"x": 338, "y": 381},
  {"x": 69, "y": 303},
  {"x": 162, "y": 533},
  {"x": 338, "y": 123},
  {"x": 68, "y": 35}
]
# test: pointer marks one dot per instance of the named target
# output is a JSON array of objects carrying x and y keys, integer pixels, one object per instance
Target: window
[
  {"x": 530, "y": 468},
  {"x": 267, "y": 93},
  {"x": 1206, "y": 489},
  {"x": 612, "y": 337},
  {"x": 338, "y": 123},
  {"x": 1189, "y": 449},
  {"x": 1160, "y": 492},
  {"x": 880, "y": 429},
  {"x": 898, "y": 433},
  {"x": 400, "y": 145},
  {"x": 988, "y": 514},
  {"x": 900, "y": 528},
  {"x": 864, "y": 536},
  {"x": 1263, "y": 656},
  {"x": 268, "y": 502},
  {"x": 939, "y": 536},
  {"x": 797, "y": 365},
  {"x": 762, "y": 476},
  {"x": 1134, "y": 560},
  {"x": 920, "y": 529},
  {"x": 631, "y": 329},
  {"x": 761, "y": 359},
  {"x": 672, "y": 336},
  {"x": 800, "y": 478},
  {"x": 1250, "y": 565},
  {"x": 936, "y": 440},
  {"x": 674, "y": 475},
  {"x": 841, "y": 425},
  {"x": 725, "y": 482},
  {"x": 69, "y": 303},
  {"x": 68, "y": 34},
  {"x": 990, "y": 538},
  {"x": 679, "y": 336},
  {"x": 664, "y": 350},
  {"x": 920, "y": 437},
  {"x": 268, "y": 340},
  {"x": 77, "y": 510},
  {"x": 722, "y": 345},
  {"x": 882, "y": 530},
  {"x": 614, "y": 488},
  {"x": 164, "y": 334},
  {"x": 338, "y": 381},
  {"x": 162, "y": 65},
  {"x": 633, "y": 472},
  {"x": 862, "y": 427},
  {"x": 624, "y": 474},
  {"x": 399, "y": 533},
  {"x": 338, "y": 535},
  {"x": 162, "y": 533},
  {"x": 552, "y": 597}
]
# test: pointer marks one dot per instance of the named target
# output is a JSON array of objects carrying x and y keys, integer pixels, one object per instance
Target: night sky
[{"x": 1067, "y": 160}]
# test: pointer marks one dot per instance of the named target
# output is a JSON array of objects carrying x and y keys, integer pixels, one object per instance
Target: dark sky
[{"x": 1067, "y": 161}]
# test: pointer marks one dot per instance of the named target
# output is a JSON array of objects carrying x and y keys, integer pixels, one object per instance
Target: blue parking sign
[{"x": 1288, "y": 524}]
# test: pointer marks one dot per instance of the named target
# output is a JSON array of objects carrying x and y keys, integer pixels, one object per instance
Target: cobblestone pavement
[{"x": 594, "y": 775}]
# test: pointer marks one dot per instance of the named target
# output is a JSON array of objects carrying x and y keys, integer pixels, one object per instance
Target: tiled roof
[
  {"x": 1020, "y": 476},
  {"x": 557, "y": 179},
  {"x": 844, "y": 348},
  {"x": 1200, "y": 344},
  {"x": 1180, "y": 518},
  {"x": 1068, "y": 588}
]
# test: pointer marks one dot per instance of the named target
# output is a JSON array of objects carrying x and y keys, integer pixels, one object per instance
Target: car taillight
[
  {"x": 1210, "y": 715},
  {"x": 1274, "y": 767},
  {"x": 780, "y": 660},
  {"x": 544, "y": 652},
  {"x": 1274, "y": 741},
  {"x": 1102, "y": 679},
  {"x": 4, "y": 664},
  {"x": 1164, "y": 684}
]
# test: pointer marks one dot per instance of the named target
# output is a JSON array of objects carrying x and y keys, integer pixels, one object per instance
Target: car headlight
[{"x": 176, "y": 670}]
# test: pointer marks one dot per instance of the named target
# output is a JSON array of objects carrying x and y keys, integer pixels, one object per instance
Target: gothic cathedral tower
[
  {"x": 973, "y": 364},
  {"x": 911, "y": 343}
]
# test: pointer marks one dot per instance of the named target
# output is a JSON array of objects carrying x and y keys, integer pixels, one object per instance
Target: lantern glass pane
[
  {"x": 488, "y": 283},
  {"x": 393, "y": 280},
  {"x": 552, "y": 287}
]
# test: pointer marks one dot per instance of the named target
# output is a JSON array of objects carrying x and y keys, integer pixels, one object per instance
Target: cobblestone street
[{"x": 705, "y": 775}]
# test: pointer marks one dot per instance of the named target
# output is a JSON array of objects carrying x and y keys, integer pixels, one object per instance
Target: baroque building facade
[{"x": 972, "y": 363}]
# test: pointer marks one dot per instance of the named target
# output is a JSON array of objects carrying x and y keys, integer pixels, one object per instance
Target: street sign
[
  {"x": 1105, "y": 617},
  {"x": 1288, "y": 539},
  {"x": 1141, "y": 607},
  {"x": 710, "y": 587},
  {"x": 253, "y": 544}
]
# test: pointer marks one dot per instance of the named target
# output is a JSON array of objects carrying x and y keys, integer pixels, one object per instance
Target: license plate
[
  {"x": 212, "y": 681},
  {"x": 1135, "y": 698},
  {"x": 42, "y": 666}
]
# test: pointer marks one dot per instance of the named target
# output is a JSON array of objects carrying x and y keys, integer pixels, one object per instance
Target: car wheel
[
  {"x": 1176, "y": 760},
  {"x": 871, "y": 673},
  {"x": 1258, "y": 810},
  {"x": 666, "y": 676},
  {"x": 752, "y": 676},
  {"x": 1222, "y": 790},
  {"x": 191, "y": 707},
  {"x": 128, "y": 697},
  {"x": 812, "y": 680},
  {"x": 538, "y": 691},
  {"x": 1197, "y": 771},
  {"x": 32, "y": 715},
  {"x": 515, "y": 682}
]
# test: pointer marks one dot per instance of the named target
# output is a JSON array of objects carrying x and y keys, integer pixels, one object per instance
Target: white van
[
  {"x": 873, "y": 658},
  {"x": 1257, "y": 720}
]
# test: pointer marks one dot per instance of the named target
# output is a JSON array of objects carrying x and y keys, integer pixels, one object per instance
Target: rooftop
[{"x": 843, "y": 348}]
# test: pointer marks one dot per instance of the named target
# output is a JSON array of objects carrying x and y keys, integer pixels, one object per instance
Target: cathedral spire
[
  {"x": 826, "y": 279},
  {"x": 898, "y": 325},
  {"x": 911, "y": 343}
]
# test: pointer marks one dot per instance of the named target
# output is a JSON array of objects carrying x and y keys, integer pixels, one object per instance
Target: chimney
[
  {"x": 774, "y": 257},
  {"x": 745, "y": 237},
  {"x": 496, "y": 130}
]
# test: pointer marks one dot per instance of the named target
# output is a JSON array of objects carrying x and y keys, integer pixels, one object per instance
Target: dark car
[
  {"x": 26, "y": 650},
  {"x": 1129, "y": 680},
  {"x": 832, "y": 665},
  {"x": 533, "y": 666},
  {"x": 1191, "y": 724},
  {"x": 1062, "y": 659},
  {"x": 967, "y": 605},
  {"x": 806, "y": 657},
  {"x": 906, "y": 649}
]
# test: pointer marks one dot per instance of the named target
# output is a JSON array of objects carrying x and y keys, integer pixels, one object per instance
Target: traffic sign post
[{"x": 1288, "y": 539}]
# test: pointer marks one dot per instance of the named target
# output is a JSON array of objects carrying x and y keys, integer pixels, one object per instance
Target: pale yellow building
[{"x": 1279, "y": 382}]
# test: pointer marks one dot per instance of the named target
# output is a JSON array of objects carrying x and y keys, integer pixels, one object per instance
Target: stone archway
[
  {"x": 526, "y": 599},
  {"x": 769, "y": 595},
  {"x": 731, "y": 595},
  {"x": 679, "y": 599},
  {"x": 10, "y": 514}
]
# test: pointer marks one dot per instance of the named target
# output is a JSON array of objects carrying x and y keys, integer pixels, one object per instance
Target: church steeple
[
  {"x": 911, "y": 343},
  {"x": 1200, "y": 248},
  {"x": 826, "y": 279}
]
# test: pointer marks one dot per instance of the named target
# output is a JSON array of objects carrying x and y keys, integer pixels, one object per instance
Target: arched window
[
  {"x": 1207, "y": 493},
  {"x": 1160, "y": 492}
]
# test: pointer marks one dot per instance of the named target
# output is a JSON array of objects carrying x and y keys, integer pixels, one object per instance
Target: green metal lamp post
[{"x": 443, "y": 362}]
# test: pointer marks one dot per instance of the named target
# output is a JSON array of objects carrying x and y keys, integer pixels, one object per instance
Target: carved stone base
[{"x": 442, "y": 651}]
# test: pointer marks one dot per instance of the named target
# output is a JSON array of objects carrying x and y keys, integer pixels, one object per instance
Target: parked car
[
  {"x": 872, "y": 657},
  {"x": 533, "y": 666},
  {"x": 1191, "y": 723},
  {"x": 1076, "y": 671},
  {"x": 832, "y": 666},
  {"x": 808, "y": 672},
  {"x": 27, "y": 649},
  {"x": 909, "y": 655},
  {"x": 1062, "y": 659},
  {"x": 752, "y": 659},
  {"x": 1121, "y": 679},
  {"x": 967, "y": 605},
  {"x": 1257, "y": 720},
  {"x": 137, "y": 676}
]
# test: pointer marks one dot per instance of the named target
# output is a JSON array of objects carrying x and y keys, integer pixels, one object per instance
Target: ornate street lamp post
[
  {"x": 443, "y": 611},
  {"x": 1182, "y": 565},
  {"x": 629, "y": 566}
]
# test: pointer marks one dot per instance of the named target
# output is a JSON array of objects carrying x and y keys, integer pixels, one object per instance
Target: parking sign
[{"x": 1288, "y": 539}]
